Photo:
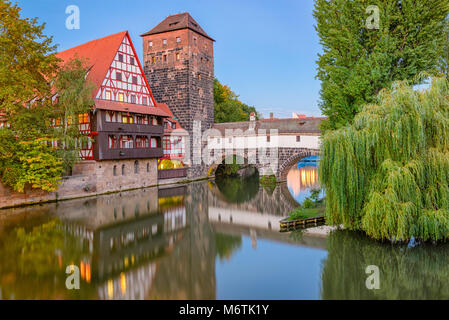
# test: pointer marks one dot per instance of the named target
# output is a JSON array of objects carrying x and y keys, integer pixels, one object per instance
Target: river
[{"x": 206, "y": 240}]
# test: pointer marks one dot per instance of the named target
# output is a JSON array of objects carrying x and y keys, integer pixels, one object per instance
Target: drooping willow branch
[{"x": 388, "y": 173}]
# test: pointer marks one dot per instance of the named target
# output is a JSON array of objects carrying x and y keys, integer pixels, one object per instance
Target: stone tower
[{"x": 178, "y": 58}]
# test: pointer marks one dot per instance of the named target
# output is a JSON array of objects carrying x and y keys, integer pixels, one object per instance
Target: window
[
  {"x": 114, "y": 172},
  {"x": 118, "y": 76},
  {"x": 173, "y": 146},
  {"x": 150, "y": 44},
  {"x": 136, "y": 167},
  {"x": 142, "y": 142},
  {"x": 178, "y": 39},
  {"x": 108, "y": 95},
  {"x": 134, "y": 80},
  {"x": 194, "y": 40},
  {"x": 268, "y": 138},
  {"x": 126, "y": 118},
  {"x": 199, "y": 76},
  {"x": 173, "y": 125},
  {"x": 131, "y": 60},
  {"x": 178, "y": 56},
  {"x": 121, "y": 97},
  {"x": 83, "y": 118},
  {"x": 153, "y": 143},
  {"x": 165, "y": 125},
  {"x": 153, "y": 60},
  {"x": 144, "y": 101},
  {"x": 148, "y": 167},
  {"x": 218, "y": 140},
  {"x": 165, "y": 58},
  {"x": 112, "y": 142},
  {"x": 154, "y": 121},
  {"x": 126, "y": 142},
  {"x": 123, "y": 173},
  {"x": 164, "y": 42},
  {"x": 110, "y": 116},
  {"x": 298, "y": 138},
  {"x": 120, "y": 57},
  {"x": 133, "y": 99},
  {"x": 230, "y": 140}
]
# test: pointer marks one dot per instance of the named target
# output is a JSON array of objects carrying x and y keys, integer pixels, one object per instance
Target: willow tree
[
  {"x": 387, "y": 174},
  {"x": 360, "y": 57}
]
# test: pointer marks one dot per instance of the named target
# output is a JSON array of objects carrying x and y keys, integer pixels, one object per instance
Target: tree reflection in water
[
  {"x": 227, "y": 245},
  {"x": 405, "y": 273},
  {"x": 236, "y": 189}
]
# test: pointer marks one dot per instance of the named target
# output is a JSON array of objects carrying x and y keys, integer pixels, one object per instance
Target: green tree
[
  {"x": 387, "y": 174},
  {"x": 228, "y": 108},
  {"x": 27, "y": 62},
  {"x": 74, "y": 98},
  {"x": 357, "y": 63},
  {"x": 31, "y": 77}
]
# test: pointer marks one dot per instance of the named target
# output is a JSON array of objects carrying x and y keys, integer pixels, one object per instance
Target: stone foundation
[{"x": 89, "y": 178}]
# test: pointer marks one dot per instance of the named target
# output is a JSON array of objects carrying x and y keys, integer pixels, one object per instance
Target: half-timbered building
[{"x": 126, "y": 124}]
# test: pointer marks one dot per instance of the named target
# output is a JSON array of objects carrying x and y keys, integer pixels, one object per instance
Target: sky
[{"x": 266, "y": 51}]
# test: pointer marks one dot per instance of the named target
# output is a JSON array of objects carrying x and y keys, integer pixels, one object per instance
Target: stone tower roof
[{"x": 177, "y": 22}]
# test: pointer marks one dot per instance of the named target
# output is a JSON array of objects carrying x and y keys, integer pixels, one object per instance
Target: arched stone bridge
[{"x": 273, "y": 146}]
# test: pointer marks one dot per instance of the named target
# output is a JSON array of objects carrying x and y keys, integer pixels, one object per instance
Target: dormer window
[{"x": 144, "y": 101}]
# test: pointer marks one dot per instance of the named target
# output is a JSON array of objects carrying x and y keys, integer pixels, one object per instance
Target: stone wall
[{"x": 89, "y": 178}]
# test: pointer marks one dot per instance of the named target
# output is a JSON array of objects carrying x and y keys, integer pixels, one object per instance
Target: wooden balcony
[
  {"x": 135, "y": 153},
  {"x": 172, "y": 173}
]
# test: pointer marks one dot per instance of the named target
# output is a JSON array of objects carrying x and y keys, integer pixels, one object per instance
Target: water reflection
[
  {"x": 405, "y": 273},
  {"x": 236, "y": 189},
  {"x": 301, "y": 179},
  {"x": 149, "y": 244}
]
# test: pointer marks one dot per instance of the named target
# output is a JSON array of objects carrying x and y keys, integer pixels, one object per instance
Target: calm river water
[{"x": 208, "y": 240}]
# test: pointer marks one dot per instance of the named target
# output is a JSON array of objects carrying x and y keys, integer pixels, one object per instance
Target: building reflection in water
[
  {"x": 144, "y": 244},
  {"x": 301, "y": 180}
]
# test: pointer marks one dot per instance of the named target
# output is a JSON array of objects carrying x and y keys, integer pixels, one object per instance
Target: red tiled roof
[
  {"x": 168, "y": 130},
  {"x": 129, "y": 107},
  {"x": 177, "y": 22},
  {"x": 100, "y": 53}
]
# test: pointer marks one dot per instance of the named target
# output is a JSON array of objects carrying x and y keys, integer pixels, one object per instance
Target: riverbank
[{"x": 72, "y": 188}]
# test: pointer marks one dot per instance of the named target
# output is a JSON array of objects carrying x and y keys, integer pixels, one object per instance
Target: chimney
[
  {"x": 271, "y": 115},
  {"x": 252, "y": 116}
]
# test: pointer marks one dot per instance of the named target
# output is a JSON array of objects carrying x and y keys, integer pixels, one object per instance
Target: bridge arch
[
  {"x": 291, "y": 160},
  {"x": 214, "y": 166}
]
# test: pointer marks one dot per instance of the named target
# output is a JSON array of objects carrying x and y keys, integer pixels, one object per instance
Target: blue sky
[{"x": 264, "y": 50}]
